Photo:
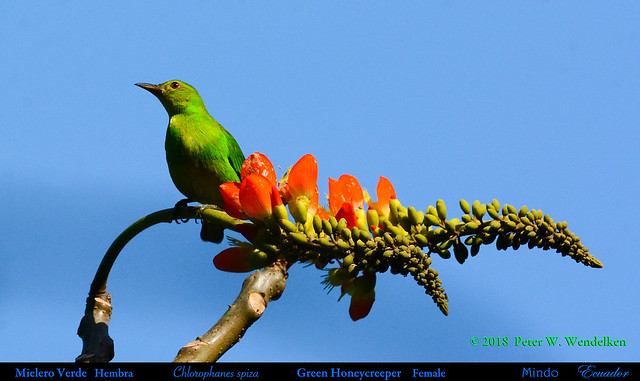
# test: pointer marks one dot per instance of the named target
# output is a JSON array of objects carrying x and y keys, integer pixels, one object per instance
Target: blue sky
[{"x": 533, "y": 103}]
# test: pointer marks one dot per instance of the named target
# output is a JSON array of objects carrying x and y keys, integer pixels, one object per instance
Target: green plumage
[{"x": 201, "y": 154}]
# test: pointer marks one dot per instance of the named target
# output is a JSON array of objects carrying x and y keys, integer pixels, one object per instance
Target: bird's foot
[
  {"x": 210, "y": 232},
  {"x": 176, "y": 210}
]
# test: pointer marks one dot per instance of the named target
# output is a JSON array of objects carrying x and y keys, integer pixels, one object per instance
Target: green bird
[{"x": 201, "y": 154}]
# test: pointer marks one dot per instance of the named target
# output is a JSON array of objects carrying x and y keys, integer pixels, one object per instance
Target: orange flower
[
  {"x": 361, "y": 305},
  {"x": 257, "y": 164},
  {"x": 258, "y": 196},
  {"x": 385, "y": 193},
  {"x": 235, "y": 260},
  {"x": 322, "y": 213},
  {"x": 260, "y": 164},
  {"x": 362, "y": 291},
  {"x": 346, "y": 200},
  {"x": 231, "y": 196},
  {"x": 300, "y": 189}
]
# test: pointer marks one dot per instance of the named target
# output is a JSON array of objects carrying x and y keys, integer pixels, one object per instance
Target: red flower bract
[
  {"x": 346, "y": 199},
  {"x": 231, "y": 197},
  {"x": 259, "y": 164},
  {"x": 303, "y": 178},
  {"x": 234, "y": 259},
  {"x": 385, "y": 193},
  {"x": 258, "y": 196}
]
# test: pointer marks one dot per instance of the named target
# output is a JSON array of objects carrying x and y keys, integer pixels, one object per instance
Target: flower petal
[
  {"x": 258, "y": 196},
  {"x": 361, "y": 305},
  {"x": 353, "y": 190},
  {"x": 313, "y": 204},
  {"x": 349, "y": 214},
  {"x": 337, "y": 196},
  {"x": 363, "y": 295},
  {"x": 231, "y": 196},
  {"x": 385, "y": 192},
  {"x": 234, "y": 259},
  {"x": 260, "y": 164},
  {"x": 303, "y": 177},
  {"x": 322, "y": 213}
]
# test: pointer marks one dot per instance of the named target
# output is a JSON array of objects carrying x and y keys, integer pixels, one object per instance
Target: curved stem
[{"x": 97, "y": 346}]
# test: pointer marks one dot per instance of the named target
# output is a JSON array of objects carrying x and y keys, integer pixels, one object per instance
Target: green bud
[
  {"x": 355, "y": 233},
  {"x": 475, "y": 249},
  {"x": 496, "y": 204},
  {"x": 388, "y": 239},
  {"x": 347, "y": 260},
  {"x": 343, "y": 244},
  {"x": 346, "y": 234},
  {"x": 317, "y": 224},
  {"x": 495, "y": 224},
  {"x": 432, "y": 220},
  {"x": 446, "y": 244},
  {"x": 444, "y": 254},
  {"x": 471, "y": 225},
  {"x": 299, "y": 238},
  {"x": 288, "y": 225},
  {"x": 394, "y": 204},
  {"x": 415, "y": 217},
  {"x": 299, "y": 208},
  {"x": 387, "y": 253},
  {"x": 438, "y": 233},
  {"x": 523, "y": 211},
  {"x": 421, "y": 240},
  {"x": 460, "y": 251},
  {"x": 280, "y": 212},
  {"x": 364, "y": 235},
  {"x": 464, "y": 205},
  {"x": 326, "y": 227},
  {"x": 325, "y": 242},
  {"x": 478, "y": 209},
  {"x": 441, "y": 209},
  {"x": 372, "y": 218},
  {"x": 493, "y": 212},
  {"x": 431, "y": 210},
  {"x": 467, "y": 218},
  {"x": 342, "y": 224},
  {"x": 450, "y": 225},
  {"x": 511, "y": 209}
]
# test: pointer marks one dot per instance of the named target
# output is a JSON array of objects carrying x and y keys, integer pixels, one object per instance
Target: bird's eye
[{"x": 175, "y": 85}]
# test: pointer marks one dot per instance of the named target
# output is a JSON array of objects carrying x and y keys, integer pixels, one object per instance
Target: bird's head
[{"x": 176, "y": 96}]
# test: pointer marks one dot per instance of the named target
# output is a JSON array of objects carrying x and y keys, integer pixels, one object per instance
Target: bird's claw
[{"x": 179, "y": 205}]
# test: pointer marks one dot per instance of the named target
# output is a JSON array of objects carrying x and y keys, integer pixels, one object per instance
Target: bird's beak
[{"x": 153, "y": 89}]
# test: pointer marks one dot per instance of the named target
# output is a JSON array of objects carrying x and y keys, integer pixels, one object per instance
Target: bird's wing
[{"x": 236, "y": 157}]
